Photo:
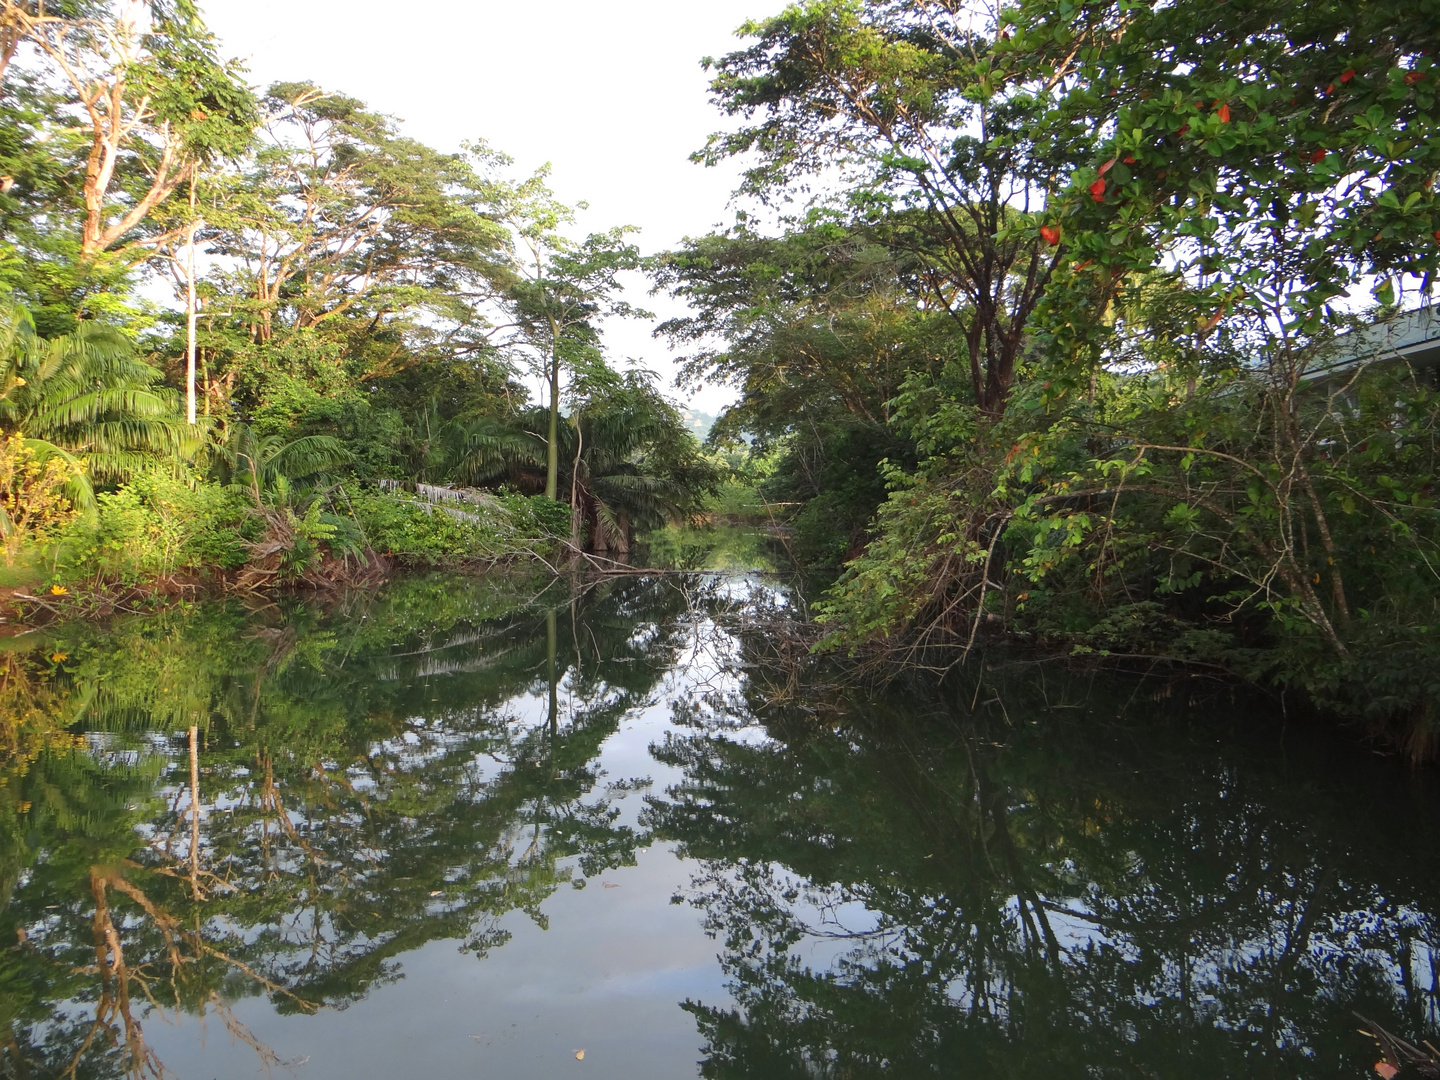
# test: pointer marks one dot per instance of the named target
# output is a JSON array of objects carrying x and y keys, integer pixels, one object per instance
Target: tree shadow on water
[{"x": 1072, "y": 881}]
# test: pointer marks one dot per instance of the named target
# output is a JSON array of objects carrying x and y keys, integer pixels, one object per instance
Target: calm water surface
[{"x": 458, "y": 829}]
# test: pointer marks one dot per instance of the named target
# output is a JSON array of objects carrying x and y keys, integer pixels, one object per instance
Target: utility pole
[{"x": 190, "y": 311}]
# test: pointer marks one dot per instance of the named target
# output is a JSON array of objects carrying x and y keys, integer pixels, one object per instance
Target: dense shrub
[
  {"x": 156, "y": 525},
  {"x": 33, "y": 502},
  {"x": 537, "y": 517},
  {"x": 413, "y": 530},
  {"x": 418, "y": 532}
]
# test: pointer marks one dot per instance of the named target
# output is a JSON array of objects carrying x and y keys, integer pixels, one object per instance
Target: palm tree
[
  {"x": 627, "y": 461},
  {"x": 86, "y": 395},
  {"x": 270, "y": 467},
  {"x": 291, "y": 482}
]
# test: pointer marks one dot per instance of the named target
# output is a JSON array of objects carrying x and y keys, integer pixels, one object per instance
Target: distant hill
[{"x": 698, "y": 422}]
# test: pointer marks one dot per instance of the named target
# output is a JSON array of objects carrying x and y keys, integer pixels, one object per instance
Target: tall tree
[
  {"x": 1282, "y": 156},
  {"x": 909, "y": 102},
  {"x": 560, "y": 290},
  {"x": 337, "y": 214},
  {"x": 152, "y": 99},
  {"x": 626, "y": 460},
  {"x": 348, "y": 252}
]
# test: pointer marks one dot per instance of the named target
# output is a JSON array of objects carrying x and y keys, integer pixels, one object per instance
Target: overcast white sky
[{"x": 609, "y": 91}]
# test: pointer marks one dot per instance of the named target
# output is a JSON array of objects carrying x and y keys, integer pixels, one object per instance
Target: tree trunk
[
  {"x": 190, "y": 312},
  {"x": 552, "y": 451},
  {"x": 553, "y": 712}
]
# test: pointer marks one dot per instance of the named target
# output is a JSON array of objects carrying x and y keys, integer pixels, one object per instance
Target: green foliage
[
  {"x": 298, "y": 541},
  {"x": 737, "y": 502},
  {"x": 369, "y": 309},
  {"x": 415, "y": 531},
  {"x": 157, "y": 525},
  {"x": 357, "y": 251},
  {"x": 940, "y": 138},
  {"x": 537, "y": 516},
  {"x": 1253, "y": 143},
  {"x": 105, "y": 118},
  {"x": 32, "y": 494},
  {"x": 270, "y": 468},
  {"x": 819, "y": 331},
  {"x": 1286, "y": 535},
  {"x": 1083, "y": 280},
  {"x": 626, "y": 459},
  {"x": 88, "y": 395}
]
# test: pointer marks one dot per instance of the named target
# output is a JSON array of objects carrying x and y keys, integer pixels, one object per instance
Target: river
[{"x": 464, "y": 827}]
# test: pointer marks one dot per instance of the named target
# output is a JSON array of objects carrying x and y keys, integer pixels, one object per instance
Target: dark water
[{"x": 454, "y": 829}]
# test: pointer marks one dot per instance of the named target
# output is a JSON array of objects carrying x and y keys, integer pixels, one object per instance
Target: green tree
[
  {"x": 1282, "y": 155},
  {"x": 152, "y": 100},
  {"x": 625, "y": 463},
  {"x": 819, "y": 330},
  {"x": 88, "y": 396},
  {"x": 560, "y": 289},
  {"x": 356, "y": 252},
  {"x": 931, "y": 128}
]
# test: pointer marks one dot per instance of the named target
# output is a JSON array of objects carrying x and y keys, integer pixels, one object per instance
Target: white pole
[{"x": 190, "y": 313}]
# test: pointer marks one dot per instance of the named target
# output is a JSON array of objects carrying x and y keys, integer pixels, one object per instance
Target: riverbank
[
  {"x": 159, "y": 540},
  {"x": 796, "y": 642}
]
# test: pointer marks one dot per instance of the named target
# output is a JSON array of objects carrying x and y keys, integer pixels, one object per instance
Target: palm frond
[
  {"x": 89, "y": 394},
  {"x": 304, "y": 458},
  {"x": 77, "y": 489}
]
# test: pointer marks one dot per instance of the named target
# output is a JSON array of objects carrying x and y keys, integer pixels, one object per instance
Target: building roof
[{"x": 1413, "y": 336}]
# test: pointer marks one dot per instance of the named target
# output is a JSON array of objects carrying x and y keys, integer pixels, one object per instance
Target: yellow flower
[
  {"x": 58, "y": 590},
  {"x": 59, "y": 657}
]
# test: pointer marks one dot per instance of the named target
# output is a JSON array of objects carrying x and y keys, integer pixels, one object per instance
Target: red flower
[
  {"x": 1224, "y": 113},
  {"x": 1051, "y": 234},
  {"x": 1330, "y": 89},
  {"x": 1183, "y": 128},
  {"x": 1107, "y": 166},
  {"x": 1129, "y": 159},
  {"x": 1347, "y": 75},
  {"x": 1318, "y": 156},
  {"x": 1412, "y": 77},
  {"x": 1097, "y": 191},
  {"x": 1437, "y": 236}
]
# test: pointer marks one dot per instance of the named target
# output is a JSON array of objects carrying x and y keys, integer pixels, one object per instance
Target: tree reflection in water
[
  {"x": 374, "y": 777},
  {"x": 1042, "y": 890},
  {"x": 1009, "y": 879}
]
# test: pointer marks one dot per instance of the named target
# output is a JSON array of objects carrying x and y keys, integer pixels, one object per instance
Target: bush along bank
[{"x": 168, "y": 533}]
